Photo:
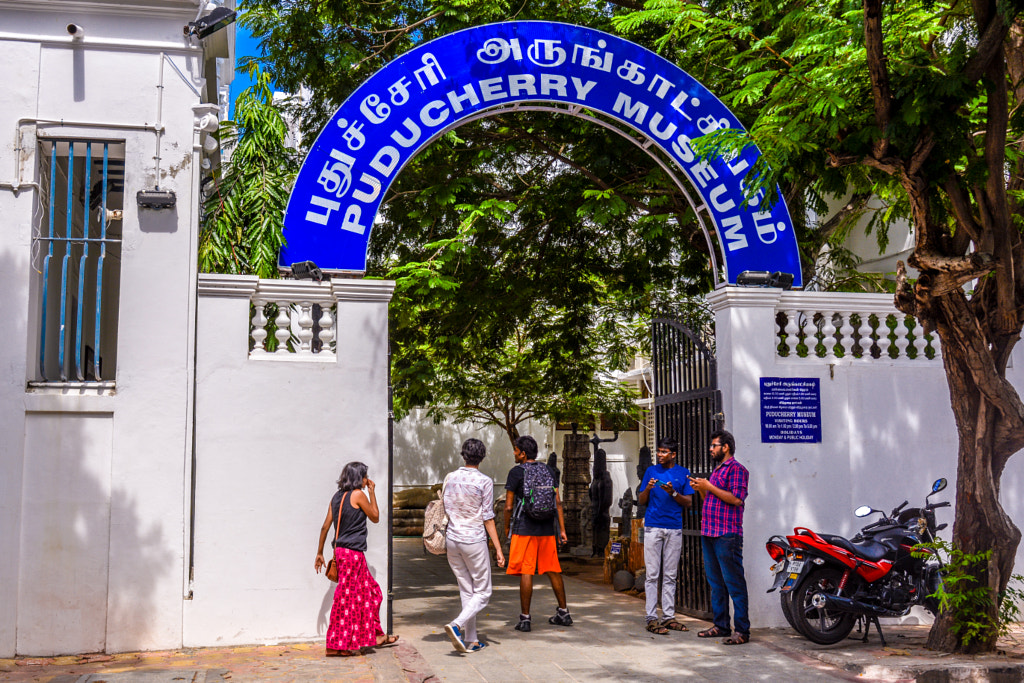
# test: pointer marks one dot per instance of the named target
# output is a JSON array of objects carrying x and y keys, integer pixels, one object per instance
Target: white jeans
[
  {"x": 661, "y": 557},
  {"x": 471, "y": 564}
]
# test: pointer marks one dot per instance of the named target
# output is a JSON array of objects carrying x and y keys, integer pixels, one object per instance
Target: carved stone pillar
[{"x": 575, "y": 483}]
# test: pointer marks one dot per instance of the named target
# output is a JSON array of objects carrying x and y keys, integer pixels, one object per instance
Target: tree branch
[
  {"x": 881, "y": 91},
  {"x": 942, "y": 274},
  {"x": 857, "y": 205},
  {"x": 962, "y": 208},
  {"x": 988, "y": 47}
]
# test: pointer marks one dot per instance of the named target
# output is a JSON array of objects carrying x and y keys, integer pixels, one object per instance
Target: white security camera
[{"x": 76, "y": 32}]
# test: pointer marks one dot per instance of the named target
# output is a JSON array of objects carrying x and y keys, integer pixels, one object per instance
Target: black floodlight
[
  {"x": 754, "y": 278},
  {"x": 211, "y": 23},
  {"x": 307, "y": 270},
  {"x": 762, "y": 278},
  {"x": 156, "y": 199},
  {"x": 782, "y": 280}
]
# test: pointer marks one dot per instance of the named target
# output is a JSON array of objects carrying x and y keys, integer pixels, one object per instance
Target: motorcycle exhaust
[{"x": 841, "y": 604}]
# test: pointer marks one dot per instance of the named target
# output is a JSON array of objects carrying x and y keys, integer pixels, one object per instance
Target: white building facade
[{"x": 155, "y": 487}]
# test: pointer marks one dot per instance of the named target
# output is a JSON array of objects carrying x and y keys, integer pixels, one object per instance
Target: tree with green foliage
[
  {"x": 243, "y": 221},
  {"x": 918, "y": 102}
]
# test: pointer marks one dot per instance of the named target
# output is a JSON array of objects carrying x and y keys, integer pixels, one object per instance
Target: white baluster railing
[
  {"x": 296, "y": 333},
  {"x": 822, "y": 326},
  {"x": 294, "y": 320}
]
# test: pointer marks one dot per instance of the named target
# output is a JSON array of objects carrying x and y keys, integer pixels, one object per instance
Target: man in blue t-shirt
[{"x": 665, "y": 490}]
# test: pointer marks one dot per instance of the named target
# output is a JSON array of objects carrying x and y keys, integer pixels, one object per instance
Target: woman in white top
[{"x": 469, "y": 504}]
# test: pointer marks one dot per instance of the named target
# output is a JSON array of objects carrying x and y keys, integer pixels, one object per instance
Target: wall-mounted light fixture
[
  {"x": 762, "y": 278},
  {"x": 211, "y": 23},
  {"x": 156, "y": 199},
  {"x": 307, "y": 270}
]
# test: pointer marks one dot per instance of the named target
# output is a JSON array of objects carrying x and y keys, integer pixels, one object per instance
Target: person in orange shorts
[{"x": 532, "y": 506}]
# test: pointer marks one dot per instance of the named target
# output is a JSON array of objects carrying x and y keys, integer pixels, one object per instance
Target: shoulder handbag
[
  {"x": 332, "y": 566},
  {"x": 435, "y": 524}
]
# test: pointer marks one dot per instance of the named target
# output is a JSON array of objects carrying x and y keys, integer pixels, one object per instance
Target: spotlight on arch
[
  {"x": 762, "y": 278},
  {"x": 307, "y": 270}
]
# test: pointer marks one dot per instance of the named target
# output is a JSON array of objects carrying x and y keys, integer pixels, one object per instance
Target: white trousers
[
  {"x": 471, "y": 564},
  {"x": 661, "y": 559}
]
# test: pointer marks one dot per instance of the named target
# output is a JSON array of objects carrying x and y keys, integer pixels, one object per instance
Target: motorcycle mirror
[
  {"x": 863, "y": 511},
  {"x": 939, "y": 485}
]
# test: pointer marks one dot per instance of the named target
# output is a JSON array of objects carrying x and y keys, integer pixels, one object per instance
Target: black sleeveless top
[{"x": 352, "y": 533}]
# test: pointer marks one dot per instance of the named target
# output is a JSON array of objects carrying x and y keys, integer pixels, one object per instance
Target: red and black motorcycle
[{"x": 827, "y": 583}]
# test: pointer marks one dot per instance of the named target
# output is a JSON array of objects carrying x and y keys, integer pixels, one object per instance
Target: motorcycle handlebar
[
  {"x": 943, "y": 504},
  {"x": 902, "y": 505}
]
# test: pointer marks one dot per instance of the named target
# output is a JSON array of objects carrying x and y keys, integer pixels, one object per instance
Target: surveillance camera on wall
[{"x": 76, "y": 32}]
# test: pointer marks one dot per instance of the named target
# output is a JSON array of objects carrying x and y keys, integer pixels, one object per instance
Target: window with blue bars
[{"x": 76, "y": 255}]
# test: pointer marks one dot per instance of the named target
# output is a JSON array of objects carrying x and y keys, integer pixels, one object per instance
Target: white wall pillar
[{"x": 273, "y": 431}]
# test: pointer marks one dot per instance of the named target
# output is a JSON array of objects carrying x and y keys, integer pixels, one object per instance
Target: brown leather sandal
[
  {"x": 674, "y": 625},
  {"x": 737, "y": 639},
  {"x": 655, "y": 627},
  {"x": 713, "y": 632}
]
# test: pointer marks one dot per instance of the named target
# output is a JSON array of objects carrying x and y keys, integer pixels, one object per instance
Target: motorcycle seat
[{"x": 869, "y": 550}]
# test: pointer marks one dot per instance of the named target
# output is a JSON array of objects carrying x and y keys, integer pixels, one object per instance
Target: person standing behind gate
[
  {"x": 665, "y": 490},
  {"x": 721, "y": 531},
  {"x": 533, "y": 493},
  {"x": 469, "y": 504}
]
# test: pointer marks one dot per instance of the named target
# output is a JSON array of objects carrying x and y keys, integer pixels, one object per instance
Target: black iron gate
[{"x": 687, "y": 407}]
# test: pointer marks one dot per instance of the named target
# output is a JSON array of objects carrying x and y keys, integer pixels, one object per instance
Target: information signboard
[{"x": 790, "y": 410}]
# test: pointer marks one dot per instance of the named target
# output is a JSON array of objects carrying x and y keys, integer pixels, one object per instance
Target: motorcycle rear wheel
[{"x": 818, "y": 624}]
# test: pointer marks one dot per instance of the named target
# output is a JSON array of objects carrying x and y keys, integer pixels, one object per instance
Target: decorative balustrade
[
  {"x": 847, "y": 326},
  {"x": 293, "y": 318},
  {"x": 297, "y": 320}
]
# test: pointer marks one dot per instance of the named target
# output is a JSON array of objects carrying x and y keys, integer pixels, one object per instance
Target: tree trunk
[{"x": 980, "y": 524}]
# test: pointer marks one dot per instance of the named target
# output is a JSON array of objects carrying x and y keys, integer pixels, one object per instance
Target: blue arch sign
[{"x": 435, "y": 86}]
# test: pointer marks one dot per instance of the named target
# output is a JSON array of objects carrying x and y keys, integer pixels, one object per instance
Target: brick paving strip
[{"x": 291, "y": 662}]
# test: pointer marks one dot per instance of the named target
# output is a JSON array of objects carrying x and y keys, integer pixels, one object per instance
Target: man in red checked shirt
[{"x": 721, "y": 531}]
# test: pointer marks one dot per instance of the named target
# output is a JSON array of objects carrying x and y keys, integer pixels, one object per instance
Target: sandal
[
  {"x": 342, "y": 653},
  {"x": 388, "y": 641},
  {"x": 655, "y": 627},
  {"x": 737, "y": 639},
  {"x": 674, "y": 625},
  {"x": 713, "y": 632}
]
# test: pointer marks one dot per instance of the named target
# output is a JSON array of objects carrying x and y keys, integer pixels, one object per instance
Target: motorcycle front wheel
[{"x": 816, "y": 623}]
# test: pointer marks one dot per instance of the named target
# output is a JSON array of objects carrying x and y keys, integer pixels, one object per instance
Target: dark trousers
[{"x": 723, "y": 565}]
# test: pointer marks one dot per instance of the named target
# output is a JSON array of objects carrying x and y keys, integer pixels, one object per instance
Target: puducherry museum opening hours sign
[{"x": 436, "y": 86}]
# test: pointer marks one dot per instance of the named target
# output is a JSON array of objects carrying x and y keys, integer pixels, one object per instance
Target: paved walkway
[{"x": 607, "y": 642}]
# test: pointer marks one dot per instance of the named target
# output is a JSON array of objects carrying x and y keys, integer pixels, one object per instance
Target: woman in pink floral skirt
[{"x": 355, "y": 616}]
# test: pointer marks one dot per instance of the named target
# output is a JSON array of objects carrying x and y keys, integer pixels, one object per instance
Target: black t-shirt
[
  {"x": 352, "y": 533},
  {"x": 526, "y": 525}
]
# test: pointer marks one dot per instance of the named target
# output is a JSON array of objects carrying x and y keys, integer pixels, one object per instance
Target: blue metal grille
[{"x": 82, "y": 247}]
